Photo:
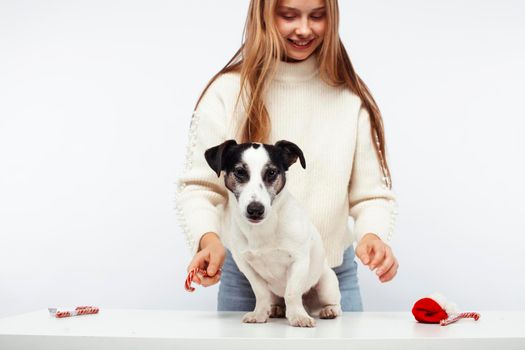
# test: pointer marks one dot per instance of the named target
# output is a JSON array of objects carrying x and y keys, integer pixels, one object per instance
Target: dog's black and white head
[{"x": 255, "y": 173}]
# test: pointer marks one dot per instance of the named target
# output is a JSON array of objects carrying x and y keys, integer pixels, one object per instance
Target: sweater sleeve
[
  {"x": 371, "y": 203},
  {"x": 200, "y": 192}
]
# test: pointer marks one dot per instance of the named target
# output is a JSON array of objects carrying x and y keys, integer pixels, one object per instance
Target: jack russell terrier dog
[{"x": 271, "y": 239}]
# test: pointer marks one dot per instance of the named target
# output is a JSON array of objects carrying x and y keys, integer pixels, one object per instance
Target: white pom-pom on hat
[{"x": 449, "y": 307}]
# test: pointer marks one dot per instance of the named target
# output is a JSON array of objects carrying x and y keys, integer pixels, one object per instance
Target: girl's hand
[
  {"x": 210, "y": 257},
  {"x": 375, "y": 253}
]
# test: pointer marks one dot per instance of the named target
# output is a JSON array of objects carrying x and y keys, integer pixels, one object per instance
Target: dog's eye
[
  {"x": 240, "y": 173},
  {"x": 271, "y": 174}
]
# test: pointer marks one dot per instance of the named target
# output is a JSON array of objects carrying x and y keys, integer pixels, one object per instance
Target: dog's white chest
[{"x": 271, "y": 264}]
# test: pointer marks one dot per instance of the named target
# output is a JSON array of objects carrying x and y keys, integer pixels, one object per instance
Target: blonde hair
[{"x": 257, "y": 59}]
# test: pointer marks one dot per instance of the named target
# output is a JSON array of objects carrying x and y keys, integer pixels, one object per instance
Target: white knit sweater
[{"x": 342, "y": 178}]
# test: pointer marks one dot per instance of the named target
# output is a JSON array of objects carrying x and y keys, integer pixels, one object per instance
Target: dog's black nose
[{"x": 255, "y": 209}]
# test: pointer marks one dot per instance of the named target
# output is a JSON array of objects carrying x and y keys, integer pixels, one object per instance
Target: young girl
[{"x": 292, "y": 79}]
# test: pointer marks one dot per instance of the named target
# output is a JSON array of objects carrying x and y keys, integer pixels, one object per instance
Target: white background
[{"x": 95, "y": 104}]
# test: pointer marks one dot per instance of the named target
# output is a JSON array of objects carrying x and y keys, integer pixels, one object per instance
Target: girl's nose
[{"x": 303, "y": 28}]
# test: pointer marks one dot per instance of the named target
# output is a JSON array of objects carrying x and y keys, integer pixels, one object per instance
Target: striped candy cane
[
  {"x": 80, "y": 310},
  {"x": 453, "y": 319},
  {"x": 191, "y": 274}
]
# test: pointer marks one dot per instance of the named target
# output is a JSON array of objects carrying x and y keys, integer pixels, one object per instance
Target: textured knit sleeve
[
  {"x": 371, "y": 203},
  {"x": 200, "y": 193}
]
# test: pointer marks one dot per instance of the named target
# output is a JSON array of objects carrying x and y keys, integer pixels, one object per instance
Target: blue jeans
[{"x": 235, "y": 292}]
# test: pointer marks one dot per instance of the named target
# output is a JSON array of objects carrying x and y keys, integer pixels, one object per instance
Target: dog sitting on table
[{"x": 271, "y": 239}]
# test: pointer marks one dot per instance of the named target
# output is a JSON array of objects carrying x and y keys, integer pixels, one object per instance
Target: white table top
[{"x": 163, "y": 329}]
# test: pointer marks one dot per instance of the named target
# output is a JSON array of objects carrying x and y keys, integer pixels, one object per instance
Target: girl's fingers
[
  {"x": 195, "y": 262},
  {"x": 379, "y": 254},
  {"x": 387, "y": 263},
  {"x": 200, "y": 260},
  {"x": 387, "y": 276},
  {"x": 197, "y": 278},
  {"x": 208, "y": 281},
  {"x": 362, "y": 253}
]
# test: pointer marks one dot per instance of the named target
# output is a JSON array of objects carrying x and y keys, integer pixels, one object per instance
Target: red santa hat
[{"x": 437, "y": 309}]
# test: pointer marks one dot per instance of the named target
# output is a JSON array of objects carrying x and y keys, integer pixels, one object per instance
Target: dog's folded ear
[
  {"x": 215, "y": 155},
  {"x": 290, "y": 152}
]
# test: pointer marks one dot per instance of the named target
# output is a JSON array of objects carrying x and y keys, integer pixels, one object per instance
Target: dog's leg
[
  {"x": 263, "y": 296},
  {"x": 329, "y": 294},
  {"x": 293, "y": 296},
  {"x": 278, "y": 307}
]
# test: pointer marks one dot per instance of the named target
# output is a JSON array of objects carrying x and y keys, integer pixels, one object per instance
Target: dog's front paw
[
  {"x": 255, "y": 317},
  {"x": 330, "y": 311},
  {"x": 277, "y": 311},
  {"x": 300, "y": 319}
]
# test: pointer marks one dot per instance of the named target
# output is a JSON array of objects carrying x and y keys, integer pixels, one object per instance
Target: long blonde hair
[{"x": 257, "y": 59}]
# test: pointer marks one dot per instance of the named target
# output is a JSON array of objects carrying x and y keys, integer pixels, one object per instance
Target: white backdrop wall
[{"x": 95, "y": 104}]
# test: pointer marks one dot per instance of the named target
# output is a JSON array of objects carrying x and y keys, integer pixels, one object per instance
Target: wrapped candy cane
[
  {"x": 191, "y": 274},
  {"x": 80, "y": 310},
  {"x": 189, "y": 279},
  {"x": 454, "y": 318}
]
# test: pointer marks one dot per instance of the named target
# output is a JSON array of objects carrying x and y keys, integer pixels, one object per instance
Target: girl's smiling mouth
[{"x": 301, "y": 44}]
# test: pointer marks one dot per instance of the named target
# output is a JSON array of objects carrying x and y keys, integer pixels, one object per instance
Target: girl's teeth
[{"x": 301, "y": 43}]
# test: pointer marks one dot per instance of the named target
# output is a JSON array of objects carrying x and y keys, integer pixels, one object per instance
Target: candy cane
[
  {"x": 453, "y": 319},
  {"x": 81, "y": 310},
  {"x": 191, "y": 274}
]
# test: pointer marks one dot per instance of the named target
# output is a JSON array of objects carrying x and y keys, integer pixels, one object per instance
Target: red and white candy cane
[
  {"x": 80, "y": 310},
  {"x": 454, "y": 318},
  {"x": 191, "y": 274}
]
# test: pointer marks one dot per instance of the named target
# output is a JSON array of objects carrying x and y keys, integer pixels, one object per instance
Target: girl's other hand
[
  {"x": 210, "y": 257},
  {"x": 375, "y": 253}
]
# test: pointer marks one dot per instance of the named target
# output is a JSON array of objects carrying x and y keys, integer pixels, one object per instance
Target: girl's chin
[{"x": 291, "y": 56}]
